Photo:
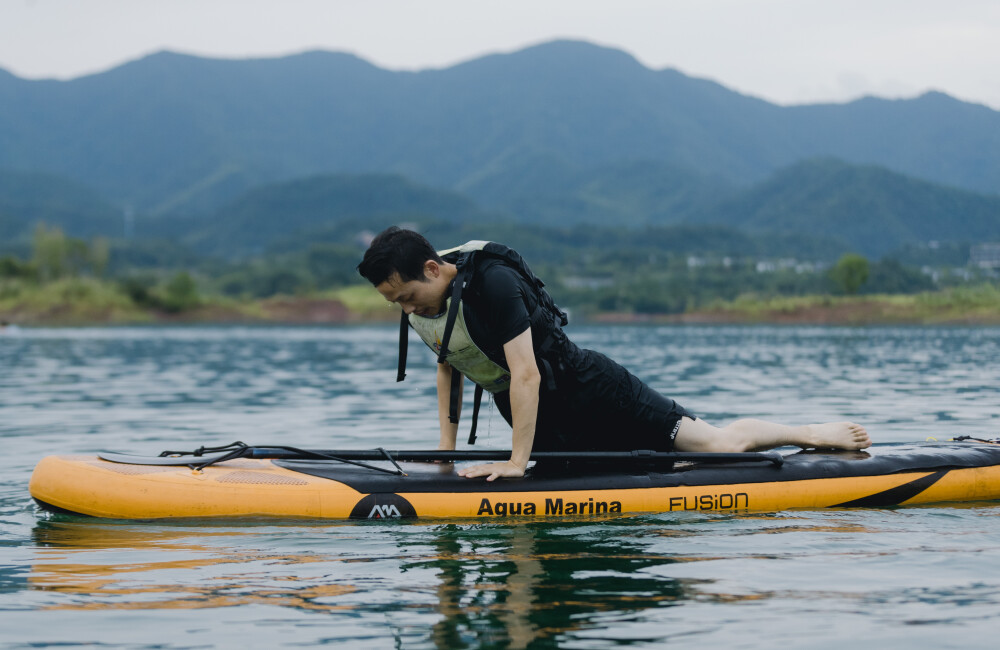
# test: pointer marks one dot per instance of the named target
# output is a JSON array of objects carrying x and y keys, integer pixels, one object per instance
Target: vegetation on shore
[
  {"x": 90, "y": 301},
  {"x": 87, "y": 301},
  {"x": 966, "y": 305},
  {"x": 66, "y": 282}
]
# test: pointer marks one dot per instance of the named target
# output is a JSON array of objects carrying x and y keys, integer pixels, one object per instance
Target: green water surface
[{"x": 924, "y": 577}]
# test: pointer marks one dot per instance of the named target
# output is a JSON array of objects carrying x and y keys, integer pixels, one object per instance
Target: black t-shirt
[
  {"x": 497, "y": 305},
  {"x": 595, "y": 403}
]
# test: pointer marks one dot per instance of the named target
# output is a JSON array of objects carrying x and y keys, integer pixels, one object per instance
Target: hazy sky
[{"x": 786, "y": 51}]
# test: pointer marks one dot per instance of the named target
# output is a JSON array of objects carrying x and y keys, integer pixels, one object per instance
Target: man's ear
[{"x": 432, "y": 269}]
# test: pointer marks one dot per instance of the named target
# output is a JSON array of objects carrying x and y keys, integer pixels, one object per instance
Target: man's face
[{"x": 421, "y": 297}]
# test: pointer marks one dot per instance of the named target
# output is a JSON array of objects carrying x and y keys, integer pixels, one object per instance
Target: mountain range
[{"x": 558, "y": 134}]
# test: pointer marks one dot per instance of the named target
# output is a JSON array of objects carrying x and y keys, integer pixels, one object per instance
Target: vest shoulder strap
[{"x": 466, "y": 254}]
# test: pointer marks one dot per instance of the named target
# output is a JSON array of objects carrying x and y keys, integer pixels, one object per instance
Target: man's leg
[{"x": 751, "y": 435}]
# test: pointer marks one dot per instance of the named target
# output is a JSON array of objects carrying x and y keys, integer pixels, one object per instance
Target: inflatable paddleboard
[{"x": 885, "y": 475}]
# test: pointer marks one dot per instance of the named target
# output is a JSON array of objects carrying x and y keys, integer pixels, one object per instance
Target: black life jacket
[{"x": 547, "y": 320}]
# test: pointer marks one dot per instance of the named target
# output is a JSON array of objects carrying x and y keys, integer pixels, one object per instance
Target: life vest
[{"x": 448, "y": 335}]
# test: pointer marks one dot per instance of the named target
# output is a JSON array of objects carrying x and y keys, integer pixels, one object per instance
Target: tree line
[
  {"x": 580, "y": 272},
  {"x": 56, "y": 256}
]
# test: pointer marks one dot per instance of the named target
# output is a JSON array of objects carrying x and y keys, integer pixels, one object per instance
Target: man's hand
[{"x": 493, "y": 471}]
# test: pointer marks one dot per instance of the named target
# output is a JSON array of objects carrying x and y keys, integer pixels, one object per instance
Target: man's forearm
[
  {"x": 525, "y": 381},
  {"x": 449, "y": 430},
  {"x": 524, "y": 411}
]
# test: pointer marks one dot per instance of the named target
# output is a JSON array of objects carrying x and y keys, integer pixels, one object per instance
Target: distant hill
[
  {"x": 812, "y": 210},
  {"x": 337, "y": 205},
  {"x": 27, "y": 198},
  {"x": 175, "y": 134},
  {"x": 629, "y": 194},
  {"x": 872, "y": 208}
]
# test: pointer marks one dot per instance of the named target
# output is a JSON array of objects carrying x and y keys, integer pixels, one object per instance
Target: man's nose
[{"x": 408, "y": 309}]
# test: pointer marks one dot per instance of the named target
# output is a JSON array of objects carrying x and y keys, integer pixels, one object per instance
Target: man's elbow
[{"x": 528, "y": 378}]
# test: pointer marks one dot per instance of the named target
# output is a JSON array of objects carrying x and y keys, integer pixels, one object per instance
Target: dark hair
[{"x": 395, "y": 250}]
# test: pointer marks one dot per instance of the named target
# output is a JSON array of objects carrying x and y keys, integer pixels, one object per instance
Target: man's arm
[
  {"x": 449, "y": 430},
  {"x": 524, "y": 382}
]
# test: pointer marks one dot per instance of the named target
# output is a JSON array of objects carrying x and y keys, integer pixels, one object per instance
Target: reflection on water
[
  {"x": 923, "y": 577},
  {"x": 592, "y": 583},
  {"x": 512, "y": 585},
  {"x": 505, "y": 585},
  {"x": 71, "y": 557}
]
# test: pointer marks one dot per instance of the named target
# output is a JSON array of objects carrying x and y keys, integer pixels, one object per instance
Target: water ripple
[{"x": 917, "y": 577}]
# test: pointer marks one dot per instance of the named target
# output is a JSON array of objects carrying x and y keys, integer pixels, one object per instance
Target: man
[{"x": 505, "y": 333}]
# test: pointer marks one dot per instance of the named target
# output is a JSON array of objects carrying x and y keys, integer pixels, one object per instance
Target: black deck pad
[{"x": 877, "y": 461}]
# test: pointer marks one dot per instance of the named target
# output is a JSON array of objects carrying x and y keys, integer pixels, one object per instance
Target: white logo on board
[{"x": 381, "y": 512}]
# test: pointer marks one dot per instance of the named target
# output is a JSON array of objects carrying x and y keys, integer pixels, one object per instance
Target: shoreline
[{"x": 968, "y": 306}]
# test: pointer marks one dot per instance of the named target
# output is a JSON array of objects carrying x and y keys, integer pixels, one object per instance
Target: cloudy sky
[{"x": 785, "y": 51}]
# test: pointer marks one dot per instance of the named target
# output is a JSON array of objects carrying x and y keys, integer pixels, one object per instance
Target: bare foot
[{"x": 839, "y": 435}]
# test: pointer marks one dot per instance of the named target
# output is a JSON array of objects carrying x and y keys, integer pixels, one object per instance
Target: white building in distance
[{"x": 985, "y": 256}]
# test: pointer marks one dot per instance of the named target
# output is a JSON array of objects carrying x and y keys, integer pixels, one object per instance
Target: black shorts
[{"x": 600, "y": 406}]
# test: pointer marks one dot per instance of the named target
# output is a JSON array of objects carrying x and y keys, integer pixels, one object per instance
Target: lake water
[{"x": 924, "y": 577}]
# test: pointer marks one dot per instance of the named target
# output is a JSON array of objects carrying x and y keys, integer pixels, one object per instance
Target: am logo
[{"x": 383, "y": 506}]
